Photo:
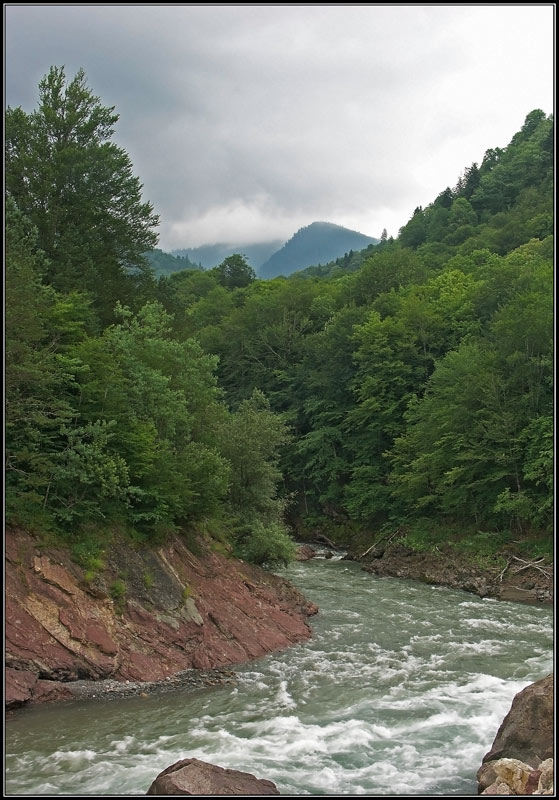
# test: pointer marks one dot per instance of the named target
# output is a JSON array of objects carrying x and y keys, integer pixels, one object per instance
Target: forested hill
[
  {"x": 210, "y": 255},
  {"x": 164, "y": 263},
  {"x": 317, "y": 243},
  {"x": 413, "y": 394}
]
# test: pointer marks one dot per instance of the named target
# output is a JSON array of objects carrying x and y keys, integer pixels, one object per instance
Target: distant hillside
[
  {"x": 164, "y": 263},
  {"x": 318, "y": 243},
  {"x": 211, "y": 255}
]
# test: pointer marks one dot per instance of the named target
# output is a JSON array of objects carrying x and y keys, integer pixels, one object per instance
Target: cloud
[{"x": 251, "y": 121}]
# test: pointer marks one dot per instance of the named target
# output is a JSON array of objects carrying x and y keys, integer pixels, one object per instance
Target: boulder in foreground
[
  {"x": 526, "y": 733},
  {"x": 191, "y": 776}
]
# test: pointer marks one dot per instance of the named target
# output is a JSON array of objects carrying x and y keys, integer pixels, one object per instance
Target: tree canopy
[{"x": 408, "y": 385}]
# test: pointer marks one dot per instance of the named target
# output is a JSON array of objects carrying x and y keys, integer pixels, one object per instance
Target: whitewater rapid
[{"x": 400, "y": 692}]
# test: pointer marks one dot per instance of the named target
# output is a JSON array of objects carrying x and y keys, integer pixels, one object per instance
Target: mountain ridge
[
  {"x": 211, "y": 255},
  {"x": 319, "y": 242}
]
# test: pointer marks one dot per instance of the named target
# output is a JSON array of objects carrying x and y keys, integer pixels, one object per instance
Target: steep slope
[
  {"x": 146, "y": 616},
  {"x": 318, "y": 243}
]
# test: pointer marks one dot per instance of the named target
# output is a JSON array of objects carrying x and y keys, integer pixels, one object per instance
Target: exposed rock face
[
  {"x": 448, "y": 569},
  {"x": 173, "y": 611},
  {"x": 191, "y": 776},
  {"x": 526, "y": 735}
]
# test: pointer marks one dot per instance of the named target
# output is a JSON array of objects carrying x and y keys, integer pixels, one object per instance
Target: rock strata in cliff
[
  {"x": 194, "y": 777},
  {"x": 149, "y": 615},
  {"x": 523, "y": 745},
  {"x": 530, "y": 585}
]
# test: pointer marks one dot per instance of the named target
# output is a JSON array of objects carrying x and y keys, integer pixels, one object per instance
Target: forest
[{"x": 404, "y": 389}]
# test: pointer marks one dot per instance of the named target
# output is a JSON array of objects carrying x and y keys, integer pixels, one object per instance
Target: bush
[
  {"x": 118, "y": 590},
  {"x": 266, "y": 545}
]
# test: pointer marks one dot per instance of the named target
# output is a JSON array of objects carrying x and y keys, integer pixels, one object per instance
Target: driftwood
[
  {"x": 321, "y": 537},
  {"x": 523, "y": 565},
  {"x": 367, "y": 551},
  {"x": 534, "y": 564},
  {"x": 382, "y": 538},
  {"x": 502, "y": 573}
]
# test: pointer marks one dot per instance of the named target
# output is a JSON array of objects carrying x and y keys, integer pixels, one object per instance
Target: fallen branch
[
  {"x": 382, "y": 538},
  {"x": 502, "y": 574},
  {"x": 367, "y": 551},
  {"x": 534, "y": 564}
]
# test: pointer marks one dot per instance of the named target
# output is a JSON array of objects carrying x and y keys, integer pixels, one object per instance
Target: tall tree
[
  {"x": 78, "y": 189},
  {"x": 235, "y": 272}
]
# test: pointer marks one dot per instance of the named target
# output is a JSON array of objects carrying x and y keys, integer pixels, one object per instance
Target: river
[{"x": 400, "y": 691}]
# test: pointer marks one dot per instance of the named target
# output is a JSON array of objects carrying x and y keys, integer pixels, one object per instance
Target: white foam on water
[
  {"x": 74, "y": 757},
  {"x": 283, "y": 698},
  {"x": 124, "y": 745},
  {"x": 486, "y": 623},
  {"x": 487, "y": 647}
]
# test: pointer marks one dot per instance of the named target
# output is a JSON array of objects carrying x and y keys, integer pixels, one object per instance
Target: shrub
[
  {"x": 266, "y": 545},
  {"x": 118, "y": 590}
]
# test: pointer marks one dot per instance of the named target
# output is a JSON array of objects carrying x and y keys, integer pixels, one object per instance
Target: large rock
[
  {"x": 174, "y": 611},
  {"x": 191, "y": 776},
  {"x": 305, "y": 552},
  {"x": 19, "y": 685},
  {"x": 526, "y": 733}
]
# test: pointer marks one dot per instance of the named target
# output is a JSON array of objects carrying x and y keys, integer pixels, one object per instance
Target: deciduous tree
[{"x": 78, "y": 189}]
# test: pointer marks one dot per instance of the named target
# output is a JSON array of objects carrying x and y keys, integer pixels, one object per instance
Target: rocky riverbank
[
  {"x": 148, "y": 617},
  {"x": 521, "y": 581},
  {"x": 107, "y": 689}
]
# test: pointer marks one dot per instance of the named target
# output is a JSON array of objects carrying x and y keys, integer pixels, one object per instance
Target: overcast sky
[{"x": 246, "y": 123}]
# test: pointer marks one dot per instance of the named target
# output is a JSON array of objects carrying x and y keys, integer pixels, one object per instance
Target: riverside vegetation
[{"x": 404, "y": 390}]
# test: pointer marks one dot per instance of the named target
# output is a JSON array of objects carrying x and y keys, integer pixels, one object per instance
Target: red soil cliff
[{"x": 147, "y": 615}]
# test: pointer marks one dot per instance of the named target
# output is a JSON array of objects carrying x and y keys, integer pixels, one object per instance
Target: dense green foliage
[
  {"x": 165, "y": 263},
  {"x": 409, "y": 386},
  {"x": 121, "y": 423}
]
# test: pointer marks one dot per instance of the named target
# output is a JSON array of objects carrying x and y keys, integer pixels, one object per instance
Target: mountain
[
  {"x": 317, "y": 243},
  {"x": 211, "y": 255}
]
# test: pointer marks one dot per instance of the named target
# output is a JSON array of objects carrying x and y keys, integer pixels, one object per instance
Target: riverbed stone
[
  {"x": 498, "y": 788},
  {"x": 305, "y": 552},
  {"x": 545, "y": 783},
  {"x": 515, "y": 774},
  {"x": 19, "y": 686},
  {"x": 511, "y": 776},
  {"x": 194, "y": 777}
]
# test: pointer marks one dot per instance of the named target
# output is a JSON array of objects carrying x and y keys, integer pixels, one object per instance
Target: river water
[{"x": 400, "y": 691}]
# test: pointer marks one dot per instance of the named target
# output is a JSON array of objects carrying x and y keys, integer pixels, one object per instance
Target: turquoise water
[{"x": 400, "y": 691}]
